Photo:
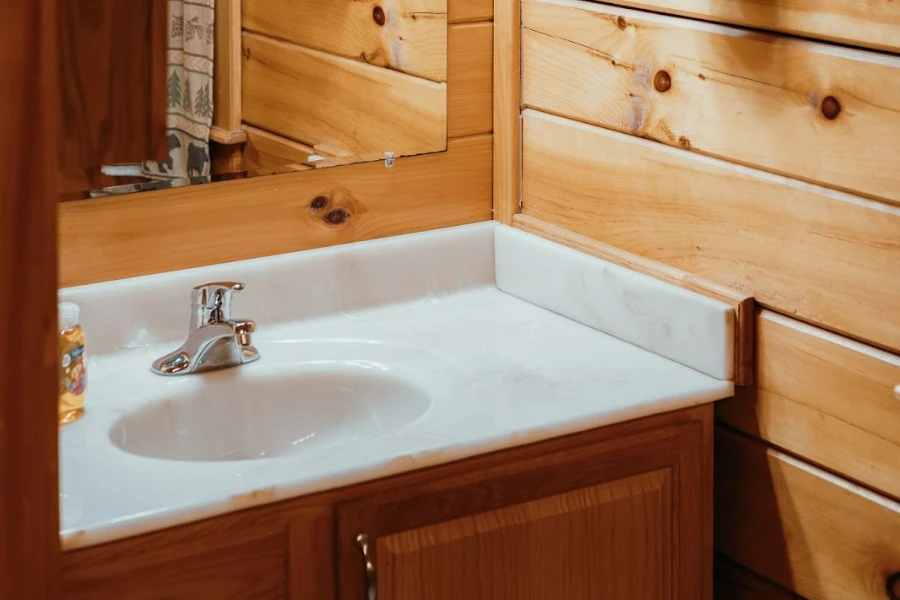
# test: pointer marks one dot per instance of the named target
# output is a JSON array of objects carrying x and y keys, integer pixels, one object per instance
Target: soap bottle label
[{"x": 73, "y": 370}]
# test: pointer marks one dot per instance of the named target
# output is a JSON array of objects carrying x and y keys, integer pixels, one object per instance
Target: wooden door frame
[{"x": 29, "y": 116}]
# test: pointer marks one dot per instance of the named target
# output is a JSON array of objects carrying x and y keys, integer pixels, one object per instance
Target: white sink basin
[{"x": 231, "y": 417}]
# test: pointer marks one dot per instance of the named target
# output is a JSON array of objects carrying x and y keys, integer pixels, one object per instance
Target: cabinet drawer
[
  {"x": 825, "y": 398},
  {"x": 805, "y": 109},
  {"x": 802, "y": 528}
]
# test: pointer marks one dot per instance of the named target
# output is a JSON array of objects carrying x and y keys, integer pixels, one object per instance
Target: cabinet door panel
[{"x": 611, "y": 540}]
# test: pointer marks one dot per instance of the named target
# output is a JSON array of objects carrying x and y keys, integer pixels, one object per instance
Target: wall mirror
[{"x": 170, "y": 93}]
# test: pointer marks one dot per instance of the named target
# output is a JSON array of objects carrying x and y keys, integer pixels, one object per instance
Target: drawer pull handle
[
  {"x": 892, "y": 586},
  {"x": 362, "y": 542}
]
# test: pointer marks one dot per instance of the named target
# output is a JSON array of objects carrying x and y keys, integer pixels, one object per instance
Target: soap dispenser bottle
[{"x": 72, "y": 376}]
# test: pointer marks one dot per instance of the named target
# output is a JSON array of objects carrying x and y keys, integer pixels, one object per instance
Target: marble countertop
[{"x": 499, "y": 371}]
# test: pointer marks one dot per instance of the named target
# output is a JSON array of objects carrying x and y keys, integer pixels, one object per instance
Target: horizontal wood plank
[
  {"x": 809, "y": 110},
  {"x": 468, "y": 11},
  {"x": 743, "y": 305},
  {"x": 800, "y": 527},
  {"x": 266, "y": 150},
  {"x": 821, "y": 255},
  {"x": 826, "y": 398},
  {"x": 404, "y": 35},
  {"x": 152, "y": 232},
  {"x": 470, "y": 79},
  {"x": 321, "y": 99},
  {"x": 873, "y": 24},
  {"x": 469, "y": 97}
]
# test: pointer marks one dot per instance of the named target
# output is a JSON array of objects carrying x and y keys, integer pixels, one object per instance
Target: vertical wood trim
[
  {"x": 311, "y": 554},
  {"x": 29, "y": 119},
  {"x": 507, "y": 93},
  {"x": 227, "y": 66}
]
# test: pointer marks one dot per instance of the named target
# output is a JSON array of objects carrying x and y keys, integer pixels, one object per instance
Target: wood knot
[
  {"x": 336, "y": 216},
  {"x": 246, "y": 53},
  {"x": 662, "y": 81},
  {"x": 831, "y": 108},
  {"x": 378, "y": 15},
  {"x": 318, "y": 203},
  {"x": 621, "y": 23},
  {"x": 684, "y": 143}
]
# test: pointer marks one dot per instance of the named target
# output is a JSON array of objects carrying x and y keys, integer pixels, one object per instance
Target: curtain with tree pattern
[{"x": 190, "y": 90}]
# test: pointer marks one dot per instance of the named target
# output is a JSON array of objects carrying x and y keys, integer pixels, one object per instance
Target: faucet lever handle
[{"x": 213, "y": 300}]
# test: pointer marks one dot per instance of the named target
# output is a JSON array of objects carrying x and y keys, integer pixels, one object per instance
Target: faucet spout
[{"x": 215, "y": 341}]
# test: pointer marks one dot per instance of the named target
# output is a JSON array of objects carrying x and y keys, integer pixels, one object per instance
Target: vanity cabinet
[{"x": 622, "y": 511}]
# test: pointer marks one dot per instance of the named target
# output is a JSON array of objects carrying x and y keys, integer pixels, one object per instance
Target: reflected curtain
[{"x": 189, "y": 89}]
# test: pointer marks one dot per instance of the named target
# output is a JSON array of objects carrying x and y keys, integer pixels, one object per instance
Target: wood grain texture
[
  {"x": 29, "y": 119},
  {"x": 310, "y": 564},
  {"x": 826, "y": 398},
  {"x": 225, "y": 158},
  {"x": 873, "y": 24},
  {"x": 404, "y": 35},
  {"x": 800, "y": 527},
  {"x": 266, "y": 150},
  {"x": 469, "y": 96},
  {"x": 677, "y": 448},
  {"x": 809, "y": 110},
  {"x": 112, "y": 87},
  {"x": 743, "y": 305},
  {"x": 610, "y": 540},
  {"x": 820, "y": 255},
  {"x": 321, "y": 99},
  {"x": 227, "y": 67},
  {"x": 109, "y": 239},
  {"x": 735, "y": 582},
  {"x": 507, "y": 104},
  {"x": 212, "y": 549},
  {"x": 468, "y": 11},
  {"x": 470, "y": 79}
]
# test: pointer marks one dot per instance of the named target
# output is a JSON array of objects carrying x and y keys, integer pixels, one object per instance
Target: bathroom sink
[{"x": 231, "y": 417}]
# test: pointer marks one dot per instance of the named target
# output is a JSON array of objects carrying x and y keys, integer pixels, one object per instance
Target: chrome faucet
[{"x": 215, "y": 340}]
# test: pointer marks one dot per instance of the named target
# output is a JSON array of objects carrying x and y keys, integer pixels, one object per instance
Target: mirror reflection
[{"x": 243, "y": 89}]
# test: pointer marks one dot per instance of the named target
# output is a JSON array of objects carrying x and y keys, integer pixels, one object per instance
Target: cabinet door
[{"x": 624, "y": 518}]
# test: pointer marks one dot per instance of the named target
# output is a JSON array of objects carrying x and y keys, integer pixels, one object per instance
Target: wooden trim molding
[
  {"x": 29, "y": 119},
  {"x": 507, "y": 95},
  {"x": 112, "y": 238},
  {"x": 227, "y": 68},
  {"x": 227, "y": 136},
  {"x": 743, "y": 305}
]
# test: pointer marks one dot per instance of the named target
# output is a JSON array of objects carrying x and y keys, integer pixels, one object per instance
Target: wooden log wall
[
  {"x": 350, "y": 80},
  {"x": 752, "y": 144}
]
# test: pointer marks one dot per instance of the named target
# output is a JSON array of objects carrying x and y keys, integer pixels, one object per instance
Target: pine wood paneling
[
  {"x": 825, "y": 398},
  {"x": 809, "y": 110},
  {"x": 817, "y": 254},
  {"x": 321, "y": 99},
  {"x": 151, "y": 232},
  {"x": 468, "y": 11},
  {"x": 29, "y": 368},
  {"x": 469, "y": 96},
  {"x": 227, "y": 70},
  {"x": 404, "y": 35},
  {"x": 470, "y": 83},
  {"x": 873, "y": 23},
  {"x": 794, "y": 524}
]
